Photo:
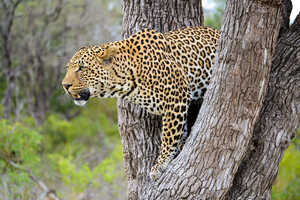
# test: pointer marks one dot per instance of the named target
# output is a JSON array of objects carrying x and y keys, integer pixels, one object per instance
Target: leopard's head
[{"x": 93, "y": 72}]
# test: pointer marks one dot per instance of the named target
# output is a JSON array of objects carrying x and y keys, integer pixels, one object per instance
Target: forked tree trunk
[{"x": 229, "y": 154}]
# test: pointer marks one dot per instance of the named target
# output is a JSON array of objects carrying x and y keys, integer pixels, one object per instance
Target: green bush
[
  {"x": 94, "y": 119},
  {"x": 19, "y": 155},
  {"x": 66, "y": 141},
  {"x": 19, "y": 144},
  {"x": 80, "y": 176},
  {"x": 108, "y": 168},
  {"x": 59, "y": 147}
]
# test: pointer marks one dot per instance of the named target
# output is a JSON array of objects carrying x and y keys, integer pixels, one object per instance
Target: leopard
[{"x": 160, "y": 72}]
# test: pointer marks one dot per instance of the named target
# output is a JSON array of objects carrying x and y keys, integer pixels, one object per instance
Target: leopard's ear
[
  {"x": 108, "y": 53},
  {"x": 82, "y": 48}
]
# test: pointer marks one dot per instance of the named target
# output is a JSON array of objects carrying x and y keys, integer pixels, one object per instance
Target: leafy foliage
[
  {"x": 19, "y": 144},
  {"x": 287, "y": 184},
  {"x": 83, "y": 152},
  {"x": 107, "y": 168}
]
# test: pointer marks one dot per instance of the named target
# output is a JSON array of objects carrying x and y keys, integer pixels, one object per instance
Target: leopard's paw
[{"x": 157, "y": 171}]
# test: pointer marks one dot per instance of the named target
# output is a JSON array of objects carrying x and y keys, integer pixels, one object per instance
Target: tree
[
  {"x": 9, "y": 9},
  {"x": 26, "y": 26},
  {"x": 32, "y": 34},
  {"x": 249, "y": 113},
  {"x": 278, "y": 119}
]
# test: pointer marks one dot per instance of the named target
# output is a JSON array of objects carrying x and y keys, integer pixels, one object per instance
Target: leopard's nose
[{"x": 67, "y": 86}]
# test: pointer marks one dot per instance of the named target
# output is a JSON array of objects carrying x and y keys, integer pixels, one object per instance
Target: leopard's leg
[
  {"x": 193, "y": 111},
  {"x": 172, "y": 132},
  {"x": 184, "y": 135}
]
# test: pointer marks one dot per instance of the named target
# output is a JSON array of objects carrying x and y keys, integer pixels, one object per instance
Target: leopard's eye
[
  {"x": 80, "y": 68},
  {"x": 107, "y": 61}
]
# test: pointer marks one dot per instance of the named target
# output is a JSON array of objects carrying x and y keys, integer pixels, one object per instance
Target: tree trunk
[
  {"x": 278, "y": 119},
  {"x": 243, "y": 128},
  {"x": 140, "y": 131},
  {"x": 9, "y": 9}
]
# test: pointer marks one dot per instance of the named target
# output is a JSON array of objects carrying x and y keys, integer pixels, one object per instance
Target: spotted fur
[{"x": 160, "y": 72}]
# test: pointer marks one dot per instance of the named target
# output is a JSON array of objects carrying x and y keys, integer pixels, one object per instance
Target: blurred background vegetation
[{"x": 43, "y": 136}]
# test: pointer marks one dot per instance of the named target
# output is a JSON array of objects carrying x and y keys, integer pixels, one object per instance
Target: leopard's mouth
[{"x": 84, "y": 96}]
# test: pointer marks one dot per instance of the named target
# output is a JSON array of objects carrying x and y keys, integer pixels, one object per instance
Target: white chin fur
[{"x": 80, "y": 102}]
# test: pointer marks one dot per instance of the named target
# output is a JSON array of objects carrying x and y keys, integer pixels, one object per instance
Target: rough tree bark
[
  {"x": 221, "y": 159},
  {"x": 278, "y": 119}
]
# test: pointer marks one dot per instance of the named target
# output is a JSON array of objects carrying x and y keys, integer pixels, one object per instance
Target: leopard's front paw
[{"x": 156, "y": 172}]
